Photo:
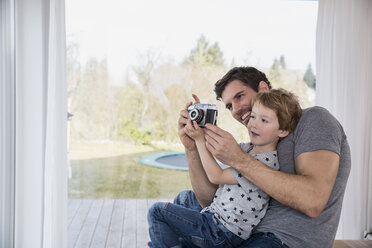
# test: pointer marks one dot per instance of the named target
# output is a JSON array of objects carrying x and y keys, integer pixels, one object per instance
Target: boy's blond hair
[{"x": 284, "y": 103}]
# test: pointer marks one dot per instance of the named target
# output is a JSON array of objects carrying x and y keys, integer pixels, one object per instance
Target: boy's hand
[
  {"x": 222, "y": 144},
  {"x": 193, "y": 130}
]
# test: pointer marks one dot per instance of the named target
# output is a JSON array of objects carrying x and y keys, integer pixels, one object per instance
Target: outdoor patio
[
  {"x": 122, "y": 223},
  {"x": 99, "y": 223}
]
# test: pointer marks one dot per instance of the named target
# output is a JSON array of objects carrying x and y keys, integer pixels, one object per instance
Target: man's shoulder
[
  {"x": 318, "y": 126},
  {"x": 315, "y": 111},
  {"x": 316, "y": 114}
]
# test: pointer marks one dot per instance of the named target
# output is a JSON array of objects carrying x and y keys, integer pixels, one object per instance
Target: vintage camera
[{"x": 203, "y": 114}]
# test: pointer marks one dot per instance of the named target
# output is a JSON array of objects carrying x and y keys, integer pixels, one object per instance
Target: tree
[
  {"x": 144, "y": 74},
  {"x": 274, "y": 72},
  {"x": 73, "y": 68},
  {"x": 279, "y": 64},
  {"x": 204, "y": 54},
  {"x": 309, "y": 77},
  {"x": 275, "y": 65},
  {"x": 92, "y": 106},
  {"x": 282, "y": 62}
]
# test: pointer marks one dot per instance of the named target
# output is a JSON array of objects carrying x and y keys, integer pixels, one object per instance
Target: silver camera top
[{"x": 203, "y": 114}]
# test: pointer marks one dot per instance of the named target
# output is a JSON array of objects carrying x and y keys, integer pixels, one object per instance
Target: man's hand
[
  {"x": 222, "y": 145},
  {"x": 187, "y": 142}
]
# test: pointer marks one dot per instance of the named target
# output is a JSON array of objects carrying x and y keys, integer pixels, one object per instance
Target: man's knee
[
  {"x": 155, "y": 209},
  {"x": 183, "y": 197},
  {"x": 187, "y": 199}
]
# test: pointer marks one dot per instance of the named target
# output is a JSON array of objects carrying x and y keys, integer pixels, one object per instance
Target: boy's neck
[{"x": 263, "y": 148}]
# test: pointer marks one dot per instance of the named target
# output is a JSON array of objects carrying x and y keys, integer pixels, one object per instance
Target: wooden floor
[
  {"x": 108, "y": 223},
  {"x": 352, "y": 244},
  {"x": 122, "y": 223}
]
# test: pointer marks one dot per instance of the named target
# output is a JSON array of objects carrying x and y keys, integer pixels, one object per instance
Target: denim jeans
[
  {"x": 188, "y": 200},
  {"x": 263, "y": 240},
  {"x": 180, "y": 224}
]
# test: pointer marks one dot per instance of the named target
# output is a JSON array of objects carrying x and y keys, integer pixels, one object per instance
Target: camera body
[{"x": 203, "y": 114}]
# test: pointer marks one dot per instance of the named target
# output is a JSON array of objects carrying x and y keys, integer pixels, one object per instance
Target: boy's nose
[{"x": 253, "y": 122}]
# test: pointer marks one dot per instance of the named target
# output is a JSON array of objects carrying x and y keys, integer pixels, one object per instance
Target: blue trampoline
[{"x": 169, "y": 160}]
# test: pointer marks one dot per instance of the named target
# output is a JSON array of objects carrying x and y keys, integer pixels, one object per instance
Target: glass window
[{"x": 133, "y": 65}]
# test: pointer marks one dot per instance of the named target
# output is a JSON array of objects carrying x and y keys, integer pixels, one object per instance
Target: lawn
[{"x": 113, "y": 170}]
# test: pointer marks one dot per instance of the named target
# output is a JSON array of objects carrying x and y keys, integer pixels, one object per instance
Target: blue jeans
[
  {"x": 175, "y": 225},
  {"x": 263, "y": 240},
  {"x": 188, "y": 200}
]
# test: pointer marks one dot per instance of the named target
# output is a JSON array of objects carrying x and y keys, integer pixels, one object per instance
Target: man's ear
[
  {"x": 283, "y": 133},
  {"x": 263, "y": 87}
]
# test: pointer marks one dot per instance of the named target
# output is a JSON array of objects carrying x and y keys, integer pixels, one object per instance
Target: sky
[{"x": 252, "y": 32}]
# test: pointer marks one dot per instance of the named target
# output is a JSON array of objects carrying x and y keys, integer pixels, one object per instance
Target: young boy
[{"x": 238, "y": 205}]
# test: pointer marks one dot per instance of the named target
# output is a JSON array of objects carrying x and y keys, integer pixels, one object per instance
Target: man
[{"x": 308, "y": 190}]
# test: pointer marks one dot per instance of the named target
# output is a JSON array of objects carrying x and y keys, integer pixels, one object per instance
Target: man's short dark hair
[{"x": 250, "y": 76}]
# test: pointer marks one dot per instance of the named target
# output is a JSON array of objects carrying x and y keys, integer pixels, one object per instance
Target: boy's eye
[{"x": 264, "y": 120}]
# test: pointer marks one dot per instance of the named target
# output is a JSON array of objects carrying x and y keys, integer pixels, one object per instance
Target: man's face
[{"x": 237, "y": 98}]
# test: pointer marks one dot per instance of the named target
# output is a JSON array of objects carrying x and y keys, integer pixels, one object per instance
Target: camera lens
[{"x": 196, "y": 115}]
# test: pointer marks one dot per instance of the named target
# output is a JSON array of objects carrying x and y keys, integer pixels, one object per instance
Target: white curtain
[
  {"x": 344, "y": 86},
  {"x": 41, "y": 117}
]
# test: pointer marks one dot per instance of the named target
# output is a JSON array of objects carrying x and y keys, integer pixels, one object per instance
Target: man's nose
[{"x": 235, "y": 108}]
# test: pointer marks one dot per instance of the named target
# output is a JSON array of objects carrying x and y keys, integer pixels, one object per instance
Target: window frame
[{"x": 7, "y": 123}]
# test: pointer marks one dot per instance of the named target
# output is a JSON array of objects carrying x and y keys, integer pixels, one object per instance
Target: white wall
[{"x": 344, "y": 86}]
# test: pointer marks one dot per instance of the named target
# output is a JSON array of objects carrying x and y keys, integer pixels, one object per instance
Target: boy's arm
[{"x": 215, "y": 173}]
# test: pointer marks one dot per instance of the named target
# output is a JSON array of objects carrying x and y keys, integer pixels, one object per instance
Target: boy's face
[
  {"x": 237, "y": 98},
  {"x": 263, "y": 126}
]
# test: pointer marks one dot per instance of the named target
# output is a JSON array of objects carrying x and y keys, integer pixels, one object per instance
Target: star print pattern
[{"x": 241, "y": 207}]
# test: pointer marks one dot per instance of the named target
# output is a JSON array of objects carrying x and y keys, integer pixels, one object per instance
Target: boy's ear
[{"x": 283, "y": 133}]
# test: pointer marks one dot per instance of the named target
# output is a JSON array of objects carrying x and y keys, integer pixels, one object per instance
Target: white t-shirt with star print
[{"x": 240, "y": 207}]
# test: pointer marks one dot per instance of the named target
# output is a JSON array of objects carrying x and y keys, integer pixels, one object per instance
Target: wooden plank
[
  {"x": 78, "y": 221},
  {"x": 142, "y": 224},
  {"x": 109, "y": 223},
  {"x": 73, "y": 206},
  {"x": 116, "y": 227},
  {"x": 87, "y": 231},
  {"x": 100, "y": 233},
  {"x": 339, "y": 244},
  {"x": 352, "y": 244},
  {"x": 359, "y": 243},
  {"x": 130, "y": 224}
]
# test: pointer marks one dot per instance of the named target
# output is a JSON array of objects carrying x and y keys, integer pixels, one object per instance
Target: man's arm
[
  {"x": 307, "y": 191},
  {"x": 204, "y": 190}
]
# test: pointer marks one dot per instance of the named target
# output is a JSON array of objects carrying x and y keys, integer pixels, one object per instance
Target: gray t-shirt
[
  {"x": 316, "y": 130},
  {"x": 240, "y": 207}
]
